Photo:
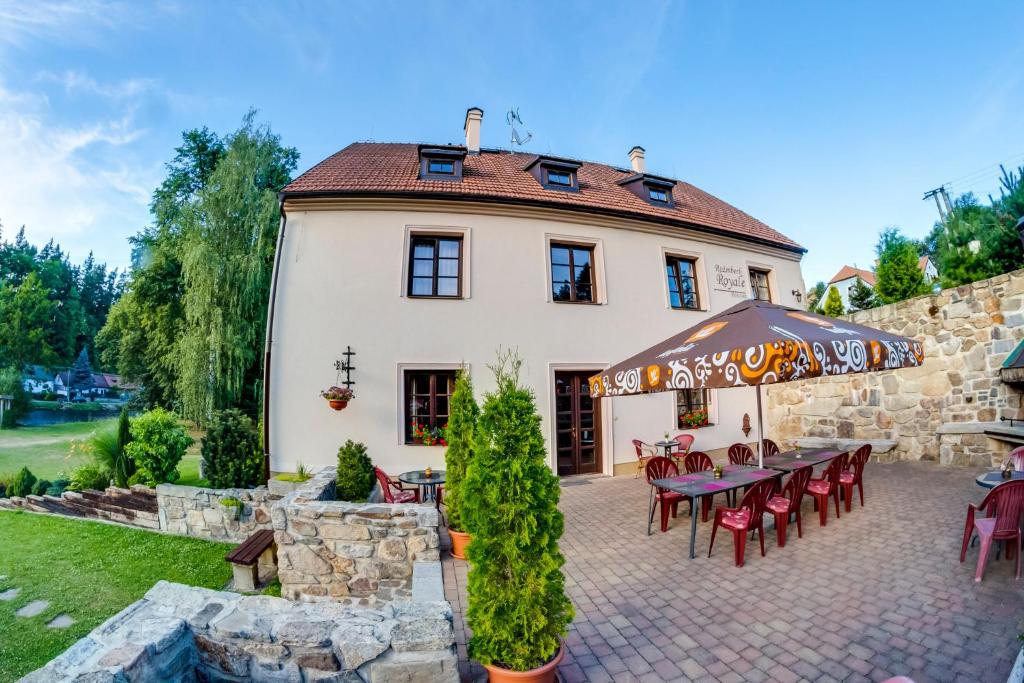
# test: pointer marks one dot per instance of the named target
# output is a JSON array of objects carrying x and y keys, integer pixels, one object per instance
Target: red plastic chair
[
  {"x": 1005, "y": 504},
  {"x": 642, "y": 455},
  {"x": 854, "y": 474},
  {"x": 740, "y": 454},
  {"x": 685, "y": 442},
  {"x": 660, "y": 467},
  {"x": 827, "y": 485},
  {"x": 1017, "y": 458},
  {"x": 698, "y": 461},
  {"x": 788, "y": 503},
  {"x": 769, "y": 447},
  {"x": 392, "y": 492},
  {"x": 748, "y": 516}
]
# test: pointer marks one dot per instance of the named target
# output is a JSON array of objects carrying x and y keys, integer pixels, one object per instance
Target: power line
[{"x": 981, "y": 172}]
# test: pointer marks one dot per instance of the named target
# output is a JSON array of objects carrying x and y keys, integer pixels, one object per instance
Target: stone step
[{"x": 92, "y": 508}]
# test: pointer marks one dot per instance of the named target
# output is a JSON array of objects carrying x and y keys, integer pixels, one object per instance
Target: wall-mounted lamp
[{"x": 798, "y": 294}]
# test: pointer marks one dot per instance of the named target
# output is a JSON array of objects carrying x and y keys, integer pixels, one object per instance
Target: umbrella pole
[{"x": 760, "y": 431}]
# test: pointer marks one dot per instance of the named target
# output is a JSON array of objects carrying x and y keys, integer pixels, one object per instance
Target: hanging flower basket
[{"x": 338, "y": 397}]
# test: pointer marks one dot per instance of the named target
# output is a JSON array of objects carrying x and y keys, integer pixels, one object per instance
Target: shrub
[
  {"x": 355, "y": 472},
  {"x": 41, "y": 487},
  {"x": 89, "y": 477},
  {"x": 157, "y": 446},
  {"x": 518, "y": 610},
  {"x": 231, "y": 451},
  {"x": 58, "y": 487},
  {"x": 463, "y": 413},
  {"x": 22, "y": 483},
  {"x": 108, "y": 450}
]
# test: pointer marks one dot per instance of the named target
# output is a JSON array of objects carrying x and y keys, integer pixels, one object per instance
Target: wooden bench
[{"x": 259, "y": 549}]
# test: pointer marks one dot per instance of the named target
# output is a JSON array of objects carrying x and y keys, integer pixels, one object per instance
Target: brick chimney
[
  {"x": 474, "y": 117},
  {"x": 636, "y": 159}
]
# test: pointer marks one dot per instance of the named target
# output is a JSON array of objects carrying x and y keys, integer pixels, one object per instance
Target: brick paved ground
[{"x": 877, "y": 593}]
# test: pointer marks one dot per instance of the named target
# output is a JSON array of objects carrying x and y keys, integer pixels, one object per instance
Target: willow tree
[{"x": 227, "y": 256}]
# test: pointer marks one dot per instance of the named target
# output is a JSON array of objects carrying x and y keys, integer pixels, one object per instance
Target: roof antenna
[{"x": 512, "y": 118}]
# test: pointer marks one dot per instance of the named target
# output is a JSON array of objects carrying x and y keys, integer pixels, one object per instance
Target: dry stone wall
[
  {"x": 196, "y": 511},
  {"x": 967, "y": 334},
  {"x": 181, "y": 633},
  {"x": 359, "y": 552}
]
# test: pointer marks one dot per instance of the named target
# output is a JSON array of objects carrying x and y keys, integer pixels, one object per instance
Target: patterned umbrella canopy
[{"x": 755, "y": 343}]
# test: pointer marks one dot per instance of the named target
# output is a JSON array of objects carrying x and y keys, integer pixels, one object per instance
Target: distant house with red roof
[{"x": 847, "y": 277}]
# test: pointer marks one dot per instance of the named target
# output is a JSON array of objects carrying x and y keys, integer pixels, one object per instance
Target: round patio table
[
  {"x": 667, "y": 446},
  {"x": 428, "y": 485},
  {"x": 993, "y": 478}
]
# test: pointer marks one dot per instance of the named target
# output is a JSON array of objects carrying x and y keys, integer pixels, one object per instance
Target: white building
[{"x": 425, "y": 258}]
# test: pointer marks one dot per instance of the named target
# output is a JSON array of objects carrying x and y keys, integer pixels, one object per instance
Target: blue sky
[{"x": 825, "y": 120}]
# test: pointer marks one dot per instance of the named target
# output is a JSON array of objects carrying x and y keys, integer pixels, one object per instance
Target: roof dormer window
[
  {"x": 657, "y": 195},
  {"x": 441, "y": 163},
  {"x": 654, "y": 190},
  {"x": 562, "y": 178},
  {"x": 554, "y": 173}
]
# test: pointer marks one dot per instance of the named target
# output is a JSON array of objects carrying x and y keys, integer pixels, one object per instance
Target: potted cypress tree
[
  {"x": 518, "y": 610},
  {"x": 463, "y": 413}
]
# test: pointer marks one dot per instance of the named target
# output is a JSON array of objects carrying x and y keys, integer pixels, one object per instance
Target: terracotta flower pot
[
  {"x": 336, "y": 404},
  {"x": 460, "y": 540},
  {"x": 542, "y": 674}
]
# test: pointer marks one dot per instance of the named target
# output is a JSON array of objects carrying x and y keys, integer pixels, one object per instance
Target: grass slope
[
  {"x": 52, "y": 449},
  {"x": 89, "y": 571}
]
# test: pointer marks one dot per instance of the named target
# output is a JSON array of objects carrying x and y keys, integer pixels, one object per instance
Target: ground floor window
[
  {"x": 427, "y": 393},
  {"x": 692, "y": 408}
]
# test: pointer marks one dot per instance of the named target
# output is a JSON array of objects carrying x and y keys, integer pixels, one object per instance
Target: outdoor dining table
[
  {"x": 801, "y": 457},
  {"x": 993, "y": 478},
  {"x": 667, "y": 446},
  {"x": 428, "y": 485},
  {"x": 699, "y": 484}
]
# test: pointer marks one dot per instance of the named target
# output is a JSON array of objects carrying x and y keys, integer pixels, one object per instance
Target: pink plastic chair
[
  {"x": 740, "y": 454},
  {"x": 1005, "y": 504},
  {"x": 660, "y": 467},
  {"x": 827, "y": 486},
  {"x": 782, "y": 506},
  {"x": 685, "y": 442},
  {"x": 748, "y": 516},
  {"x": 698, "y": 461},
  {"x": 854, "y": 475},
  {"x": 1017, "y": 458}
]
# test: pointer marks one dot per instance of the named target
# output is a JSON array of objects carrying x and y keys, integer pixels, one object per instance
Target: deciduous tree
[
  {"x": 833, "y": 303},
  {"x": 897, "y": 274}
]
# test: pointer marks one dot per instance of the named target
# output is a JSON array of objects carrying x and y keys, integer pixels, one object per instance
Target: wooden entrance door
[{"x": 577, "y": 424}]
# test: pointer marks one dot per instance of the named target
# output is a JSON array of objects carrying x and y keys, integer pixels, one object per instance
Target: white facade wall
[{"x": 342, "y": 282}]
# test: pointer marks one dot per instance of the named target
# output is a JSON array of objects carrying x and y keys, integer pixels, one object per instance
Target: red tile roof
[
  {"x": 392, "y": 169},
  {"x": 846, "y": 272}
]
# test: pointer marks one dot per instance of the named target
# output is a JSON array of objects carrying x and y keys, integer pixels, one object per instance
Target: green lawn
[
  {"x": 89, "y": 571},
  {"x": 52, "y": 449}
]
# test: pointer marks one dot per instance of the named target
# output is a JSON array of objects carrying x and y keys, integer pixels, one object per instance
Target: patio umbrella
[{"x": 755, "y": 343}]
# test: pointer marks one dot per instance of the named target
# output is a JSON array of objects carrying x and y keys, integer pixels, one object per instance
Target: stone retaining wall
[
  {"x": 195, "y": 511},
  {"x": 359, "y": 551},
  {"x": 180, "y": 633},
  {"x": 967, "y": 333}
]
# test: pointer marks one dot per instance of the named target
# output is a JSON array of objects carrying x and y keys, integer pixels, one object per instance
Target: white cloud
[
  {"x": 77, "y": 183},
  {"x": 77, "y": 83}
]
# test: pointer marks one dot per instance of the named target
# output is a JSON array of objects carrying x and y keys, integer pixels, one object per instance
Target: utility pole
[{"x": 945, "y": 208}]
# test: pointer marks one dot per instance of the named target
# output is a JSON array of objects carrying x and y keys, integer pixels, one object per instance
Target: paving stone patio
[{"x": 877, "y": 593}]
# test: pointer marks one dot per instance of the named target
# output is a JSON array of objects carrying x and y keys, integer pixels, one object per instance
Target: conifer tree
[
  {"x": 862, "y": 297},
  {"x": 833, "y": 303},
  {"x": 518, "y": 610},
  {"x": 463, "y": 414}
]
